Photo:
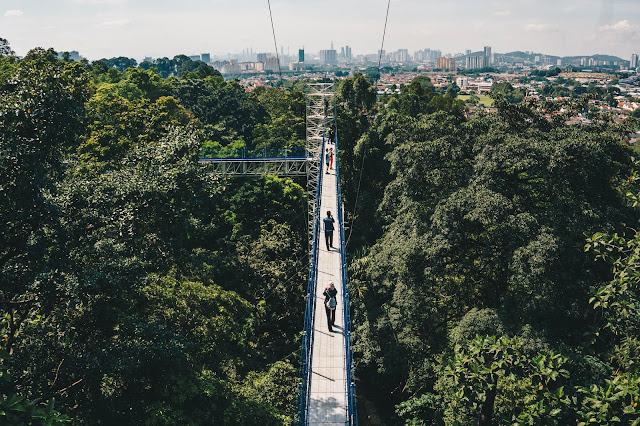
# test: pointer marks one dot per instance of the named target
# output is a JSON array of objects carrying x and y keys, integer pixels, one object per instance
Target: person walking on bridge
[
  {"x": 330, "y": 303},
  {"x": 326, "y": 159},
  {"x": 331, "y": 158},
  {"x": 328, "y": 230}
]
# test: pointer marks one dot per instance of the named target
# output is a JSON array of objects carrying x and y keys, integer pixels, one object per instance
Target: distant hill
[
  {"x": 531, "y": 56},
  {"x": 598, "y": 57}
]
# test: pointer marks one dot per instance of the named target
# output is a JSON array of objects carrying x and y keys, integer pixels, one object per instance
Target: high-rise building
[
  {"x": 271, "y": 64},
  {"x": 328, "y": 56},
  {"x": 559, "y": 62},
  {"x": 300, "y": 55},
  {"x": 262, "y": 57},
  {"x": 402, "y": 55},
  {"x": 467, "y": 52},
  {"x": 347, "y": 53},
  {"x": 477, "y": 62},
  {"x": 634, "y": 62},
  {"x": 205, "y": 57},
  {"x": 230, "y": 68},
  {"x": 448, "y": 64},
  {"x": 488, "y": 54},
  {"x": 583, "y": 62}
]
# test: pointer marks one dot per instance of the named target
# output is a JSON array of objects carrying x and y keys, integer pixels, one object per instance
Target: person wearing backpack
[{"x": 330, "y": 304}]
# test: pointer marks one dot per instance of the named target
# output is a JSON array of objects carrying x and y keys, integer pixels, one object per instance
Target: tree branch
[{"x": 69, "y": 387}]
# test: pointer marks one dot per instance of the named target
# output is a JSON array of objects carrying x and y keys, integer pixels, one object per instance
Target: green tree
[{"x": 5, "y": 48}]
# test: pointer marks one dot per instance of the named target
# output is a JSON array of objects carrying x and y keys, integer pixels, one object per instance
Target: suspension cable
[
  {"x": 384, "y": 32},
  {"x": 274, "y": 42}
]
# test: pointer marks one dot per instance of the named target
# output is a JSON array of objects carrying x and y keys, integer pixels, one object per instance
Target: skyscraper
[
  {"x": 205, "y": 57},
  {"x": 487, "y": 53},
  {"x": 328, "y": 56},
  {"x": 300, "y": 55},
  {"x": 476, "y": 62},
  {"x": 347, "y": 52},
  {"x": 634, "y": 62}
]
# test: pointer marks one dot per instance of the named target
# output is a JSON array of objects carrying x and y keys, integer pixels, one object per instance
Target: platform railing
[
  {"x": 307, "y": 334},
  {"x": 255, "y": 153},
  {"x": 351, "y": 385}
]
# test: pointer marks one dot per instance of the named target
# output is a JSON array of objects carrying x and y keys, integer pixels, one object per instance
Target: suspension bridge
[{"x": 327, "y": 388}]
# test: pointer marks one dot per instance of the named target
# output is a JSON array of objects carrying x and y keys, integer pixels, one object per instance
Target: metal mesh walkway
[{"x": 328, "y": 388}]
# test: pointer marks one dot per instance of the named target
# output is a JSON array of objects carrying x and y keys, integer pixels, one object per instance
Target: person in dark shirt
[
  {"x": 328, "y": 230},
  {"x": 330, "y": 292},
  {"x": 327, "y": 159}
]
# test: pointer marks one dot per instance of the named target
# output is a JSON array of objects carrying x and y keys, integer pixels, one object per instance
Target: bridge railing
[
  {"x": 307, "y": 334},
  {"x": 351, "y": 385},
  {"x": 255, "y": 153}
]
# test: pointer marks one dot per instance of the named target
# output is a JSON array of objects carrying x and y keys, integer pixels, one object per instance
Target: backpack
[{"x": 331, "y": 303}]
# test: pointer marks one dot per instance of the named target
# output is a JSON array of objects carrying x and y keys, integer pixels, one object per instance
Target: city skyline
[{"x": 107, "y": 28}]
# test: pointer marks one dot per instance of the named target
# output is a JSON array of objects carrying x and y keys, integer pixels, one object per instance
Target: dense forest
[
  {"x": 493, "y": 258},
  {"x": 498, "y": 280},
  {"x": 135, "y": 288}
]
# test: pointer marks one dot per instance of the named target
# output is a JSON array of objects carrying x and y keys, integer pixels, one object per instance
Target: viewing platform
[{"x": 279, "y": 162}]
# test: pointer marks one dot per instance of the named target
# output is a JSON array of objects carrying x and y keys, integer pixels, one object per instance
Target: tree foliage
[
  {"x": 489, "y": 215},
  {"x": 136, "y": 288}
]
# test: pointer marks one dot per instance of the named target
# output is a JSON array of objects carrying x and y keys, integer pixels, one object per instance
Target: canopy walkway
[{"x": 327, "y": 388}]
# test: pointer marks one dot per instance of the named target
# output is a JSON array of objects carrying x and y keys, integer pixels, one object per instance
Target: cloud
[
  {"x": 117, "y": 23},
  {"x": 502, "y": 13},
  {"x": 13, "y": 12},
  {"x": 536, "y": 27},
  {"x": 621, "y": 27}
]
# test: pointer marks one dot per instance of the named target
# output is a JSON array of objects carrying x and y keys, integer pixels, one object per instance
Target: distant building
[
  {"x": 447, "y": 63},
  {"x": 301, "y": 55},
  {"x": 206, "y": 58},
  {"x": 477, "y": 62},
  {"x": 462, "y": 82},
  {"x": 262, "y": 57},
  {"x": 296, "y": 66},
  {"x": 634, "y": 62},
  {"x": 147, "y": 59},
  {"x": 488, "y": 54},
  {"x": 559, "y": 62},
  {"x": 583, "y": 62},
  {"x": 402, "y": 55},
  {"x": 592, "y": 62},
  {"x": 329, "y": 56},
  {"x": 467, "y": 52},
  {"x": 272, "y": 64},
  {"x": 347, "y": 53},
  {"x": 194, "y": 57},
  {"x": 230, "y": 68}
]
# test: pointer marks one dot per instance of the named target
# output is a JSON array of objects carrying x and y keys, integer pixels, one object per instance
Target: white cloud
[
  {"x": 117, "y": 23},
  {"x": 13, "y": 12},
  {"x": 502, "y": 13},
  {"x": 621, "y": 27},
  {"x": 536, "y": 27}
]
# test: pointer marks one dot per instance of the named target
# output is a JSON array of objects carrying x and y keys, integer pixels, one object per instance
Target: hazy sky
[{"x": 138, "y": 28}]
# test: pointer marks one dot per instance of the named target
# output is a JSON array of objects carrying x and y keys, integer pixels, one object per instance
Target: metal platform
[{"x": 281, "y": 166}]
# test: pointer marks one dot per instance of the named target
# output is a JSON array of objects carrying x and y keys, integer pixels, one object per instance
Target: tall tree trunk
[{"x": 486, "y": 414}]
